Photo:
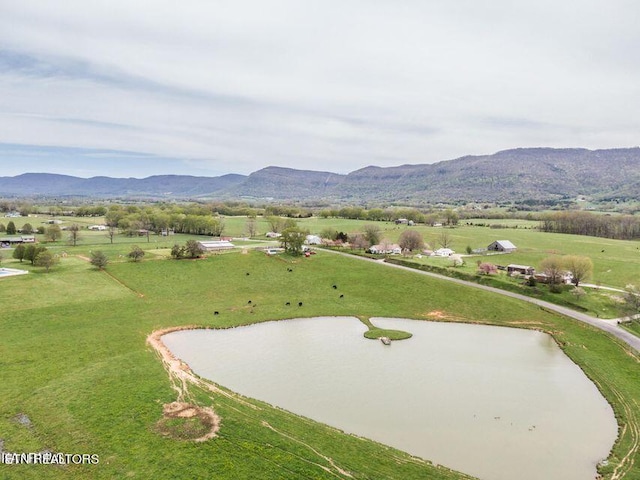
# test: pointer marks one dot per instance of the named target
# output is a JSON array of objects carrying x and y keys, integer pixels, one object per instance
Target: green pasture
[
  {"x": 616, "y": 262},
  {"x": 74, "y": 361}
]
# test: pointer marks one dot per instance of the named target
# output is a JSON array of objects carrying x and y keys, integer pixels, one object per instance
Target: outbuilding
[
  {"x": 504, "y": 246},
  {"x": 514, "y": 269},
  {"x": 216, "y": 245}
]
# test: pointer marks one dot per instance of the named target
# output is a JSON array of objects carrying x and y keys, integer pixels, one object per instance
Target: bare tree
[
  {"x": 111, "y": 232},
  {"x": 74, "y": 234},
  {"x": 358, "y": 240},
  {"x": 444, "y": 240},
  {"x": 252, "y": 227}
]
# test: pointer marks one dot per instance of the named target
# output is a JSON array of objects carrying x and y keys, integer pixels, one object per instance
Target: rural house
[
  {"x": 386, "y": 249},
  {"x": 504, "y": 246}
]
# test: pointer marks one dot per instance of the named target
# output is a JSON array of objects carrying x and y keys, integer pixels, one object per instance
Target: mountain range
[{"x": 510, "y": 175}]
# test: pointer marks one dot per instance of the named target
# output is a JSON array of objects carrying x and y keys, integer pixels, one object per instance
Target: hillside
[{"x": 519, "y": 174}]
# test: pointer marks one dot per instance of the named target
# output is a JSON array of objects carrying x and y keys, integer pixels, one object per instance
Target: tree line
[{"x": 621, "y": 227}]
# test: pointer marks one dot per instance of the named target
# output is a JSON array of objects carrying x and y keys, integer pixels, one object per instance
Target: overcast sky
[{"x": 131, "y": 88}]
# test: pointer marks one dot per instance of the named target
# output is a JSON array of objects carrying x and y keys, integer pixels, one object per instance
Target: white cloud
[{"x": 327, "y": 85}]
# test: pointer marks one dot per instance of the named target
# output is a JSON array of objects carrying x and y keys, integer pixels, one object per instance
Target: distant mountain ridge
[{"x": 518, "y": 174}]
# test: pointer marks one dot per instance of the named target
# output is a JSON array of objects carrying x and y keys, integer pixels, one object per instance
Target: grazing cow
[
  {"x": 216, "y": 312},
  {"x": 335, "y": 287},
  {"x": 247, "y": 273},
  {"x": 288, "y": 303},
  {"x": 299, "y": 304},
  {"x": 249, "y": 302},
  {"x": 341, "y": 295}
]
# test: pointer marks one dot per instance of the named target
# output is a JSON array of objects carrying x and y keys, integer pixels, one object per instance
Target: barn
[{"x": 504, "y": 246}]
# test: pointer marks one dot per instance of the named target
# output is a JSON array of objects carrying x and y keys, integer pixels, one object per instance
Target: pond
[{"x": 498, "y": 403}]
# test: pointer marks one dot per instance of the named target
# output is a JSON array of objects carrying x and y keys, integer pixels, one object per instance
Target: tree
[
  {"x": 136, "y": 253},
  {"x": 451, "y": 218},
  {"x": 292, "y": 240},
  {"x": 45, "y": 259},
  {"x": 177, "y": 252},
  {"x": 329, "y": 233},
  {"x": 111, "y": 232},
  {"x": 444, "y": 239},
  {"x": 11, "y": 228},
  {"x": 372, "y": 234},
  {"x": 193, "y": 249},
  {"x": 32, "y": 251},
  {"x": 252, "y": 227},
  {"x": 578, "y": 292},
  {"x": 276, "y": 224},
  {"x": 18, "y": 252},
  {"x": 74, "y": 234},
  {"x": 1, "y": 258},
  {"x": 358, "y": 240},
  {"x": 3, "y": 229},
  {"x": 632, "y": 300},
  {"x": 27, "y": 229},
  {"x": 411, "y": 240},
  {"x": 53, "y": 233},
  {"x": 99, "y": 259},
  {"x": 552, "y": 267},
  {"x": 579, "y": 267},
  {"x": 487, "y": 268},
  {"x": 457, "y": 260}
]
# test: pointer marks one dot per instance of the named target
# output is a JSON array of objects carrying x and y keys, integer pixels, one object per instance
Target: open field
[
  {"x": 616, "y": 262},
  {"x": 75, "y": 362}
]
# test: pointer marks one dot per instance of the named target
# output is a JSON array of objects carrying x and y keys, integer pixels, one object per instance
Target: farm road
[{"x": 609, "y": 326}]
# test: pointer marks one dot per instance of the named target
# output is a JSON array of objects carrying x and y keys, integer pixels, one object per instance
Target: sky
[{"x": 132, "y": 88}]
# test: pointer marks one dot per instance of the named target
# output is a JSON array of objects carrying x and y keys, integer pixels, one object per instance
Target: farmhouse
[
  {"x": 386, "y": 249},
  {"x": 216, "y": 245},
  {"x": 99, "y": 228},
  {"x": 443, "y": 252},
  {"x": 504, "y": 246}
]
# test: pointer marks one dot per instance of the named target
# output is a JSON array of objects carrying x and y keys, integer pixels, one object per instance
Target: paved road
[{"x": 610, "y": 326}]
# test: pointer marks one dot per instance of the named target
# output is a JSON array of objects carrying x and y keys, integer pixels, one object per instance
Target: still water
[{"x": 497, "y": 403}]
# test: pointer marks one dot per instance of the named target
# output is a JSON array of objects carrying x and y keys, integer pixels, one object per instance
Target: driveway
[{"x": 609, "y": 326}]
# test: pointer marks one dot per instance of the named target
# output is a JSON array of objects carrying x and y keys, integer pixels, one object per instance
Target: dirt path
[{"x": 181, "y": 376}]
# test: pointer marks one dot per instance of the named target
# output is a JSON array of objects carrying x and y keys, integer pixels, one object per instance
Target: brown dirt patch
[
  {"x": 439, "y": 315},
  {"x": 186, "y": 421}
]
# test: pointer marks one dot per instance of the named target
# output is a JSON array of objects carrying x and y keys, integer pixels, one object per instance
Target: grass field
[{"x": 75, "y": 363}]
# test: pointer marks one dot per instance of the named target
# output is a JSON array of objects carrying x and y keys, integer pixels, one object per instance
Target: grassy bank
[{"x": 75, "y": 364}]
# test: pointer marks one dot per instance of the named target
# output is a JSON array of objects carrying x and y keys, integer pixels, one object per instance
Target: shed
[
  {"x": 216, "y": 245},
  {"x": 502, "y": 246},
  {"x": 520, "y": 269}
]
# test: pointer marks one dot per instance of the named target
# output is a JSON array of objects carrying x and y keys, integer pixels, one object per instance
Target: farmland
[{"x": 76, "y": 365}]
